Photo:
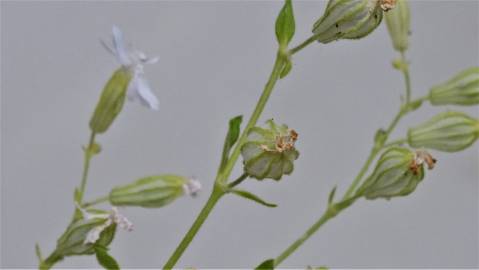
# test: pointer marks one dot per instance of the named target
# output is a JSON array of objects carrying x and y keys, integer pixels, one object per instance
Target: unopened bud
[
  {"x": 397, "y": 173},
  {"x": 111, "y": 101},
  {"x": 153, "y": 191},
  {"x": 462, "y": 89},
  {"x": 447, "y": 131},
  {"x": 270, "y": 152},
  {"x": 398, "y": 23},
  {"x": 348, "y": 19}
]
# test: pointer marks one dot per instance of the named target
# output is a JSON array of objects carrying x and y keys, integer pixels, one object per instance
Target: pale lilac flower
[
  {"x": 192, "y": 187},
  {"x": 111, "y": 217},
  {"x": 133, "y": 61}
]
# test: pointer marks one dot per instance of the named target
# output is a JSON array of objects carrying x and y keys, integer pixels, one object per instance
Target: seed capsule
[
  {"x": 270, "y": 152},
  {"x": 397, "y": 173},
  {"x": 447, "y": 131},
  {"x": 153, "y": 191},
  {"x": 462, "y": 89},
  {"x": 348, "y": 19}
]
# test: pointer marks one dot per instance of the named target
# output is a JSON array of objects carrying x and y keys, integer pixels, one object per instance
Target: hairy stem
[{"x": 222, "y": 177}]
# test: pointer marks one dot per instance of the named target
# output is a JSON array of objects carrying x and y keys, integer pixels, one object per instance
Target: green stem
[
  {"x": 50, "y": 261},
  {"x": 268, "y": 89},
  {"x": 303, "y": 45},
  {"x": 86, "y": 166},
  {"x": 407, "y": 78},
  {"x": 212, "y": 200},
  {"x": 238, "y": 181},
  {"x": 395, "y": 142},
  {"x": 332, "y": 211},
  {"x": 221, "y": 178},
  {"x": 96, "y": 201}
]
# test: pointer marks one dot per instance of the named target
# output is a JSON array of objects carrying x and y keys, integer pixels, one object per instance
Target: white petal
[
  {"x": 120, "y": 49},
  {"x": 192, "y": 187},
  {"x": 139, "y": 89}
]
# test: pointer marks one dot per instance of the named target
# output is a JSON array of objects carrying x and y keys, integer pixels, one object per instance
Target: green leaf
[
  {"x": 285, "y": 25},
  {"x": 104, "y": 259},
  {"x": 38, "y": 252},
  {"x": 76, "y": 196},
  {"x": 286, "y": 69},
  {"x": 266, "y": 265},
  {"x": 250, "y": 196},
  {"x": 331, "y": 195},
  {"x": 231, "y": 138}
]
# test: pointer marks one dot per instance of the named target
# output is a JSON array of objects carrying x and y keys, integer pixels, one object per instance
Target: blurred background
[{"x": 215, "y": 57}]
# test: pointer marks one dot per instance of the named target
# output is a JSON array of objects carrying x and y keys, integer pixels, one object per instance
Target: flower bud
[
  {"x": 270, "y": 152},
  {"x": 398, "y": 23},
  {"x": 74, "y": 240},
  {"x": 111, "y": 101},
  {"x": 348, "y": 19},
  {"x": 447, "y": 131},
  {"x": 462, "y": 89},
  {"x": 397, "y": 173},
  {"x": 153, "y": 191}
]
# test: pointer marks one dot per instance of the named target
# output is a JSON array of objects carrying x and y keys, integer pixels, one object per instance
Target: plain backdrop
[{"x": 215, "y": 57}]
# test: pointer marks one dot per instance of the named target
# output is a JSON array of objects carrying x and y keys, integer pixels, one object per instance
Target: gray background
[{"x": 215, "y": 57}]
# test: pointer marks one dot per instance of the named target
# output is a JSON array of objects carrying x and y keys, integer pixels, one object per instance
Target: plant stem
[
  {"x": 395, "y": 142},
  {"x": 212, "y": 200},
  {"x": 222, "y": 177},
  {"x": 96, "y": 201},
  {"x": 303, "y": 45},
  {"x": 407, "y": 79},
  {"x": 50, "y": 261},
  {"x": 86, "y": 166},
  {"x": 238, "y": 181},
  {"x": 378, "y": 146},
  {"x": 273, "y": 78}
]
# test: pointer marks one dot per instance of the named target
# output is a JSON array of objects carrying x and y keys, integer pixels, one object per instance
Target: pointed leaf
[
  {"x": 38, "y": 252},
  {"x": 250, "y": 196},
  {"x": 286, "y": 69},
  {"x": 231, "y": 138},
  {"x": 266, "y": 265},
  {"x": 104, "y": 259},
  {"x": 331, "y": 195},
  {"x": 285, "y": 25}
]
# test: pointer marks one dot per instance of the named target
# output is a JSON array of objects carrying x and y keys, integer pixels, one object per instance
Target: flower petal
[
  {"x": 120, "y": 49},
  {"x": 139, "y": 89}
]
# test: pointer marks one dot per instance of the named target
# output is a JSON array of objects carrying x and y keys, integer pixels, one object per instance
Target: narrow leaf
[
  {"x": 331, "y": 195},
  {"x": 250, "y": 196},
  {"x": 285, "y": 25},
  {"x": 286, "y": 69},
  {"x": 266, "y": 265},
  {"x": 104, "y": 259},
  {"x": 38, "y": 252},
  {"x": 231, "y": 138}
]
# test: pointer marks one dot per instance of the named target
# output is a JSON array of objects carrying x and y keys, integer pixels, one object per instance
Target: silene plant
[{"x": 393, "y": 168}]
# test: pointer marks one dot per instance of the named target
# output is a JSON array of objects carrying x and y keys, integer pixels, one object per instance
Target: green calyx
[
  {"x": 72, "y": 242},
  {"x": 150, "y": 192},
  {"x": 397, "y": 173},
  {"x": 447, "y": 131},
  {"x": 462, "y": 89},
  {"x": 270, "y": 152},
  {"x": 348, "y": 19},
  {"x": 398, "y": 22},
  {"x": 111, "y": 101}
]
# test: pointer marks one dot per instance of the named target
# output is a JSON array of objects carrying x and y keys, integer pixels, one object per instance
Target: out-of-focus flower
[{"x": 133, "y": 61}]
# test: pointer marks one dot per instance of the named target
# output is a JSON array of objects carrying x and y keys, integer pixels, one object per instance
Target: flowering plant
[{"x": 394, "y": 168}]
